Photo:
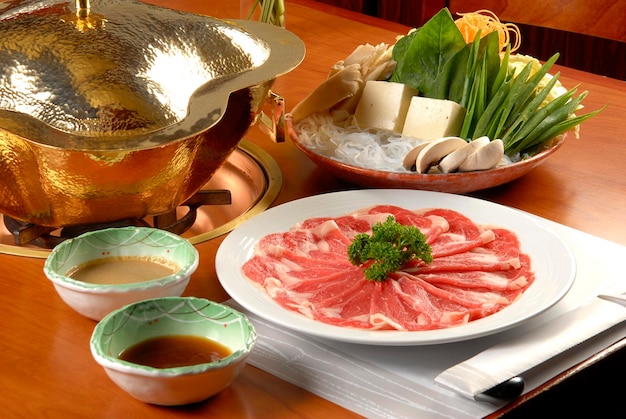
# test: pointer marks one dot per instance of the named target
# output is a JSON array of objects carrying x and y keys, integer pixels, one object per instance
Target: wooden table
[{"x": 46, "y": 368}]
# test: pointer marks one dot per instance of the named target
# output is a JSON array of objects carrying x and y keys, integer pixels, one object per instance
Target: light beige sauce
[{"x": 122, "y": 270}]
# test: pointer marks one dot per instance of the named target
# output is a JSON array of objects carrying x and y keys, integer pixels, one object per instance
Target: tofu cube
[
  {"x": 430, "y": 119},
  {"x": 383, "y": 105}
]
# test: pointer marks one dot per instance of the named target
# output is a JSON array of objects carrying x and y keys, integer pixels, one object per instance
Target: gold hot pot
[{"x": 121, "y": 110}]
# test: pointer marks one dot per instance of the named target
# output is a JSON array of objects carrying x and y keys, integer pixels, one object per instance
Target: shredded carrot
[{"x": 486, "y": 22}]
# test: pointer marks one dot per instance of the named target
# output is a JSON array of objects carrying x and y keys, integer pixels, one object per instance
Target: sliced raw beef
[
  {"x": 476, "y": 271},
  {"x": 430, "y": 225}
]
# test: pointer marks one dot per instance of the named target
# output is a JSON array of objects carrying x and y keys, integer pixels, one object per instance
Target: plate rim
[{"x": 382, "y": 338}]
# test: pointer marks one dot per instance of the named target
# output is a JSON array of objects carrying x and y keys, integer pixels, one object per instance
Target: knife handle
[{"x": 507, "y": 390}]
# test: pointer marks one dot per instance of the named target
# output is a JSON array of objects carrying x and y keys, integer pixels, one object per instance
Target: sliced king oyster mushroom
[
  {"x": 409, "y": 160},
  {"x": 453, "y": 161},
  {"x": 435, "y": 151},
  {"x": 340, "y": 86},
  {"x": 486, "y": 157}
]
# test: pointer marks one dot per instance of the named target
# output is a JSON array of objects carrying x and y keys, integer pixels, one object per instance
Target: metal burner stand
[{"x": 45, "y": 237}]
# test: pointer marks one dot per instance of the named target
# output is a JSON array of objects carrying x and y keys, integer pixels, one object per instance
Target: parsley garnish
[{"x": 388, "y": 249}]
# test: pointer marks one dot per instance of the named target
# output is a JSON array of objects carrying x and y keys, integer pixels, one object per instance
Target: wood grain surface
[{"x": 47, "y": 368}]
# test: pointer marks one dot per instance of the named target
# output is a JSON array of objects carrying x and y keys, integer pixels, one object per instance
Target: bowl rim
[
  {"x": 116, "y": 364},
  {"x": 183, "y": 273}
]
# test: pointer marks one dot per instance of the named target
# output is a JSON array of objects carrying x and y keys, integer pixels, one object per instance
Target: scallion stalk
[{"x": 272, "y": 11}]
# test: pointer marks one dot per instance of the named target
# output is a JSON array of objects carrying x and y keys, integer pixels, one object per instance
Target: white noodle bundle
[{"x": 335, "y": 136}]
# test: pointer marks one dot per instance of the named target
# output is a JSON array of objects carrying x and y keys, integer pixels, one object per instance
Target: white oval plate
[{"x": 551, "y": 258}]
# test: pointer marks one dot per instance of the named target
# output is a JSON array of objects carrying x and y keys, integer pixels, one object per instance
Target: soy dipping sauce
[{"x": 175, "y": 351}]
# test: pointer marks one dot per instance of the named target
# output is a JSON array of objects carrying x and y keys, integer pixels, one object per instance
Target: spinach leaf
[
  {"x": 460, "y": 71},
  {"x": 422, "y": 55},
  {"x": 450, "y": 82},
  {"x": 399, "y": 51}
]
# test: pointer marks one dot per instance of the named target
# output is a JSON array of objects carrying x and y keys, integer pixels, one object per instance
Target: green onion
[
  {"x": 515, "y": 111},
  {"x": 532, "y": 114},
  {"x": 272, "y": 11}
]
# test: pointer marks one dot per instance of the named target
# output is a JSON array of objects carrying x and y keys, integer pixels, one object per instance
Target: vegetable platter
[{"x": 449, "y": 107}]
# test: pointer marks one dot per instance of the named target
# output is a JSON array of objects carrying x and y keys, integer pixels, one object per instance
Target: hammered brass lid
[{"x": 121, "y": 74}]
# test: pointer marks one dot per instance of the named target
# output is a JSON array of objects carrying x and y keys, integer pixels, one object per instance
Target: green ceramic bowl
[
  {"x": 95, "y": 300},
  {"x": 166, "y": 317}
]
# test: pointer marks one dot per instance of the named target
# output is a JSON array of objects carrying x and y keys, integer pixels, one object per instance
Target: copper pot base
[{"x": 250, "y": 174}]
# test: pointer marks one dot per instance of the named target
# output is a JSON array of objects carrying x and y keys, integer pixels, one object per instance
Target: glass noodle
[{"x": 337, "y": 137}]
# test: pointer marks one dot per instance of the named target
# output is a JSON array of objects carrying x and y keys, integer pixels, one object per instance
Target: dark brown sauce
[{"x": 175, "y": 351}]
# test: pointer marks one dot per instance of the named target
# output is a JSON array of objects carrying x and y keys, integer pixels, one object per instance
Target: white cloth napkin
[
  {"x": 399, "y": 382},
  {"x": 515, "y": 356}
]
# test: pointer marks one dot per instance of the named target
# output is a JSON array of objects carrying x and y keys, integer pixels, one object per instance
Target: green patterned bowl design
[
  {"x": 165, "y": 316},
  {"x": 97, "y": 300}
]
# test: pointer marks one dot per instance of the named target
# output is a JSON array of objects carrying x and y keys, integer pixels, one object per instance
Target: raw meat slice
[
  {"x": 476, "y": 271},
  {"x": 430, "y": 226}
]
